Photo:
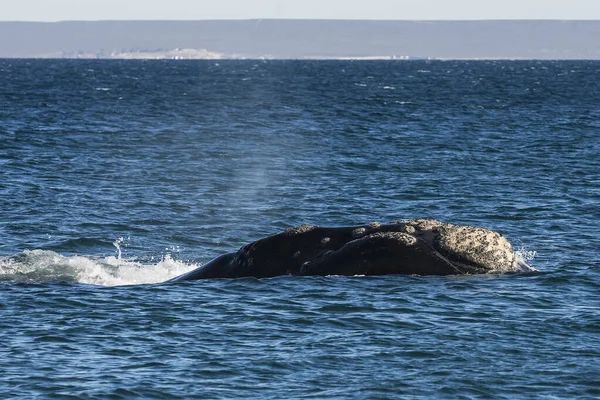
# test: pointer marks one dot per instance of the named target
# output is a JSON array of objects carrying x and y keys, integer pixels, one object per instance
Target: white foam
[
  {"x": 41, "y": 266},
  {"x": 522, "y": 258}
]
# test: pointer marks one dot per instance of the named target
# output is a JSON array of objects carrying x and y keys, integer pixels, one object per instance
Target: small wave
[{"x": 44, "y": 266}]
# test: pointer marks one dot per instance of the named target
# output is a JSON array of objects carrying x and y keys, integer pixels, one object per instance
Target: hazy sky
[{"x": 58, "y": 10}]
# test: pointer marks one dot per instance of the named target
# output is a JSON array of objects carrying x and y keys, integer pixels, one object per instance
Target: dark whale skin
[{"x": 414, "y": 247}]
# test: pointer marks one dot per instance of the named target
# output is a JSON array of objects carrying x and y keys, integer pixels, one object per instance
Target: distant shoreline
[{"x": 304, "y": 39}]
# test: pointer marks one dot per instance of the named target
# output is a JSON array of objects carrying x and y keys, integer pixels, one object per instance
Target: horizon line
[{"x": 311, "y": 19}]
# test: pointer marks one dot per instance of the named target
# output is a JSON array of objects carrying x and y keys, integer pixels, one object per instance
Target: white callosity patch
[
  {"x": 358, "y": 232},
  {"x": 485, "y": 250},
  {"x": 477, "y": 245},
  {"x": 400, "y": 237},
  {"x": 298, "y": 230}
]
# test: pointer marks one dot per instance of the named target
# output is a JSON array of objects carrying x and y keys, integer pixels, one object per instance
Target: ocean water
[{"x": 116, "y": 176}]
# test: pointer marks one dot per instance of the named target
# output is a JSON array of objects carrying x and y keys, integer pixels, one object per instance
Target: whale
[{"x": 406, "y": 247}]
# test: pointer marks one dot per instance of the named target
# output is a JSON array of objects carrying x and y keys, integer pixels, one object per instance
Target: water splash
[
  {"x": 523, "y": 257},
  {"x": 117, "y": 244},
  {"x": 43, "y": 266},
  {"x": 526, "y": 255}
]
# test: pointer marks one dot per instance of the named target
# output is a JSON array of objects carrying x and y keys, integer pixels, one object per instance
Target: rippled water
[{"x": 116, "y": 176}]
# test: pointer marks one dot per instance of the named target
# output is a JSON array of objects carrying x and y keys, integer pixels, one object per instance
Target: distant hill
[{"x": 519, "y": 39}]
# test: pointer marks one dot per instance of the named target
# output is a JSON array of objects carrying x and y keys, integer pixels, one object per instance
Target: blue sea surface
[{"x": 116, "y": 176}]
